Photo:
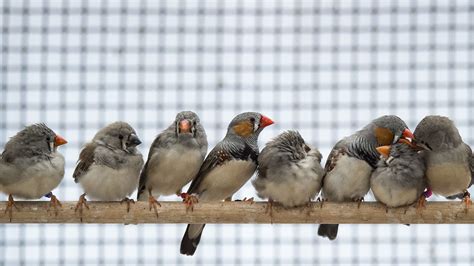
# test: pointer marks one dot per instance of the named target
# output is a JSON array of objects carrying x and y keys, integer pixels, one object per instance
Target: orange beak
[
  {"x": 184, "y": 126},
  {"x": 407, "y": 134},
  {"x": 265, "y": 121},
  {"x": 384, "y": 150},
  {"x": 58, "y": 141}
]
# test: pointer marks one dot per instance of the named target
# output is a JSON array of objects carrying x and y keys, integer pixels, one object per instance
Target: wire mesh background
[{"x": 325, "y": 68}]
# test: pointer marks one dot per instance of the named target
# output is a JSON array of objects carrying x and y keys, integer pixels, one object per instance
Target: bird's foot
[
  {"x": 228, "y": 198},
  {"x": 269, "y": 209},
  {"x": 153, "y": 203},
  {"x": 10, "y": 205},
  {"x": 467, "y": 200},
  {"x": 81, "y": 203},
  {"x": 421, "y": 204},
  {"x": 322, "y": 200},
  {"x": 248, "y": 200},
  {"x": 128, "y": 201},
  {"x": 189, "y": 200},
  {"x": 54, "y": 203},
  {"x": 359, "y": 201}
]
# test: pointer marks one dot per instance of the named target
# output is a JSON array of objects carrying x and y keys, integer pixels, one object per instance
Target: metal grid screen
[{"x": 324, "y": 68}]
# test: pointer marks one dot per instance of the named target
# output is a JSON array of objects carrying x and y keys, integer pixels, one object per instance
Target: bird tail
[
  {"x": 191, "y": 239},
  {"x": 328, "y": 230}
]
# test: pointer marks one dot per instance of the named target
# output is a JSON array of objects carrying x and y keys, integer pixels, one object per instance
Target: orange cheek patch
[
  {"x": 384, "y": 136},
  {"x": 244, "y": 129}
]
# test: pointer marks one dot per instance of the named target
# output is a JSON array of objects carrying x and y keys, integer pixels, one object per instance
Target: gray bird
[
  {"x": 109, "y": 166},
  {"x": 289, "y": 171},
  {"x": 174, "y": 158},
  {"x": 399, "y": 179},
  {"x": 226, "y": 169},
  {"x": 449, "y": 161},
  {"x": 352, "y": 160},
  {"x": 31, "y": 166}
]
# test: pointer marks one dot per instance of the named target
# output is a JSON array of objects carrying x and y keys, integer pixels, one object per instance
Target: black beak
[{"x": 134, "y": 140}]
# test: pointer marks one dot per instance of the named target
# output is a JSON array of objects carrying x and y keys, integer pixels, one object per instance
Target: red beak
[
  {"x": 265, "y": 121},
  {"x": 185, "y": 126},
  {"x": 407, "y": 134},
  {"x": 58, "y": 141}
]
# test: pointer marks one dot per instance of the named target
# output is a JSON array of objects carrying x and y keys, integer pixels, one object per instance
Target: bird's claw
[
  {"x": 359, "y": 201},
  {"x": 9, "y": 207},
  {"x": 54, "y": 203},
  {"x": 81, "y": 203},
  {"x": 189, "y": 200},
  {"x": 467, "y": 200},
  {"x": 128, "y": 201},
  {"x": 248, "y": 200},
  {"x": 421, "y": 204},
  {"x": 322, "y": 200},
  {"x": 269, "y": 209},
  {"x": 152, "y": 202}
]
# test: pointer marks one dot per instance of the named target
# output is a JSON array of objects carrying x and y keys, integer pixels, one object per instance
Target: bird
[
  {"x": 449, "y": 161},
  {"x": 352, "y": 160},
  {"x": 31, "y": 166},
  {"x": 174, "y": 159},
  {"x": 289, "y": 171},
  {"x": 226, "y": 168},
  {"x": 399, "y": 178},
  {"x": 109, "y": 166}
]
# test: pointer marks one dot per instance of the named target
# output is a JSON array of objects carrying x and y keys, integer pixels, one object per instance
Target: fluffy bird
[
  {"x": 289, "y": 171},
  {"x": 227, "y": 168},
  {"x": 399, "y": 179},
  {"x": 109, "y": 166},
  {"x": 31, "y": 166},
  {"x": 449, "y": 161},
  {"x": 174, "y": 158},
  {"x": 352, "y": 160}
]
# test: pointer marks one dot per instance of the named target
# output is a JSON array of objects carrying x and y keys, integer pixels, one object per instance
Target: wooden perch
[{"x": 239, "y": 213}]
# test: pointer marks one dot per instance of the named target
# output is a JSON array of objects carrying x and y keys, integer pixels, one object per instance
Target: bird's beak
[
  {"x": 265, "y": 121},
  {"x": 133, "y": 139},
  {"x": 184, "y": 126},
  {"x": 58, "y": 141},
  {"x": 408, "y": 135},
  {"x": 384, "y": 150},
  {"x": 421, "y": 146}
]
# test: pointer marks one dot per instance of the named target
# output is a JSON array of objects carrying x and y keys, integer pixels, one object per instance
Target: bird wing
[
  {"x": 154, "y": 149},
  {"x": 217, "y": 156},
  {"x": 86, "y": 159}
]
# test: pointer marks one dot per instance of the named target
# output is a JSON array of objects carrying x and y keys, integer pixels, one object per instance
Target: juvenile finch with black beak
[
  {"x": 226, "y": 169},
  {"x": 352, "y": 160},
  {"x": 449, "y": 161},
  {"x": 399, "y": 179},
  {"x": 109, "y": 166},
  {"x": 289, "y": 171},
  {"x": 174, "y": 158},
  {"x": 31, "y": 166}
]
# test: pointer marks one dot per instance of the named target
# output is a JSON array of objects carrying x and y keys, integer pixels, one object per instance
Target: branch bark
[{"x": 239, "y": 213}]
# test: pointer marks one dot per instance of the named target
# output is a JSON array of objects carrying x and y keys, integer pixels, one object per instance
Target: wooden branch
[{"x": 239, "y": 213}]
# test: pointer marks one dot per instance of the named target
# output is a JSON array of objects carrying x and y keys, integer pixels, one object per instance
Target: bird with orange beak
[
  {"x": 352, "y": 160},
  {"x": 226, "y": 169},
  {"x": 31, "y": 166},
  {"x": 175, "y": 158}
]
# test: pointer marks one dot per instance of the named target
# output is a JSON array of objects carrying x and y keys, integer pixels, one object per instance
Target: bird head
[
  {"x": 118, "y": 135},
  {"x": 38, "y": 137},
  {"x": 248, "y": 125},
  {"x": 389, "y": 129},
  {"x": 187, "y": 123},
  {"x": 436, "y": 133}
]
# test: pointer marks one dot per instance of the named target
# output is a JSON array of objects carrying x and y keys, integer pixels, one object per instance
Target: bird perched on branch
[
  {"x": 449, "y": 161},
  {"x": 31, "y": 166},
  {"x": 174, "y": 158},
  {"x": 352, "y": 160},
  {"x": 109, "y": 166},
  {"x": 226, "y": 169},
  {"x": 289, "y": 171},
  {"x": 399, "y": 179}
]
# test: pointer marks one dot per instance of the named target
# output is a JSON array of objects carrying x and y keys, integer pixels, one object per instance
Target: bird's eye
[
  {"x": 252, "y": 119},
  {"x": 48, "y": 138},
  {"x": 120, "y": 136},
  {"x": 307, "y": 148}
]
